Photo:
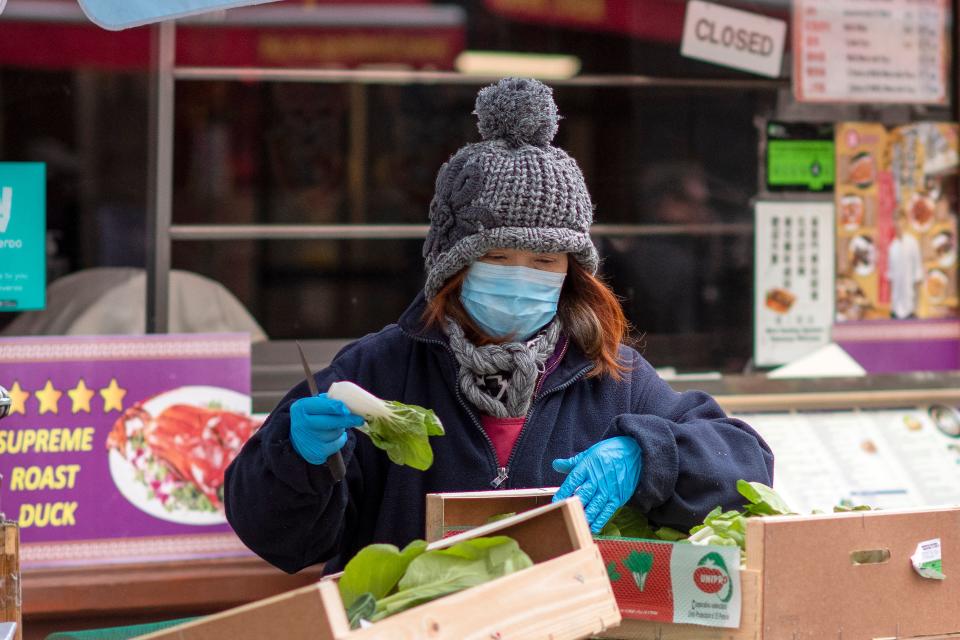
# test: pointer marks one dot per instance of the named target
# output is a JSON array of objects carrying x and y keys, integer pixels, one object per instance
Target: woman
[{"x": 517, "y": 347}]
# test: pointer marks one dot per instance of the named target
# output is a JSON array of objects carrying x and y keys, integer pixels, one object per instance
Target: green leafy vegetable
[
  {"x": 639, "y": 563},
  {"x": 670, "y": 535},
  {"x": 402, "y": 430},
  {"x": 764, "y": 501},
  {"x": 500, "y": 516},
  {"x": 444, "y": 571},
  {"x": 842, "y": 508},
  {"x": 721, "y": 528},
  {"x": 730, "y": 527},
  {"x": 382, "y": 580},
  {"x": 376, "y": 570},
  {"x": 361, "y": 609},
  {"x": 628, "y": 522}
]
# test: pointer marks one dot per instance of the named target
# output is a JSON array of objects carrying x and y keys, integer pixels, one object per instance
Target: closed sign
[{"x": 733, "y": 38}]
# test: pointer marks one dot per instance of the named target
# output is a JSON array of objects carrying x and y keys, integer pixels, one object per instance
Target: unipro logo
[
  {"x": 6, "y": 205},
  {"x": 712, "y": 577}
]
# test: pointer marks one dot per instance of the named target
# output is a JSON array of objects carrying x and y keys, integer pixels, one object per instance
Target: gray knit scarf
[{"x": 519, "y": 363}]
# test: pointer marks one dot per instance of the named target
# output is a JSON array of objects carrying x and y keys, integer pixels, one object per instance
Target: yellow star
[
  {"x": 81, "y": 396},
  {"x": 49, "y": 398},
  {"x": 19, "y": 399},
  {"x": 112, "y": 396}
]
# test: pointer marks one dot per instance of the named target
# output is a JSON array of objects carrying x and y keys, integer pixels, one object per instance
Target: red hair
[{"x": 590, "y": 312}]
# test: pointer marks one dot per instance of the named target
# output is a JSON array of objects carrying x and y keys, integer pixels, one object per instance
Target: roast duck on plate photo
[{"x": 182, "y": 453}]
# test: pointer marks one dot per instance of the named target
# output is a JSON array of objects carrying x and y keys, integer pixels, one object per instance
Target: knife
[{"x": 334, "y": 462}]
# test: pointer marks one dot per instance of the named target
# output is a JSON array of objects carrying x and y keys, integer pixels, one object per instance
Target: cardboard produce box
[
  {"x": 844, "y": 576},
  {"x": 564, "y": 595}
]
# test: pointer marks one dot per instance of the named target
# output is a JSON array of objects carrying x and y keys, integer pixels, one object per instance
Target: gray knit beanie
[{"x": 512, "y": 190}]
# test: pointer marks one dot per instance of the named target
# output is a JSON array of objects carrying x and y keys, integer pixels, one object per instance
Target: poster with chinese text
[{"x": 793, "y": 292}]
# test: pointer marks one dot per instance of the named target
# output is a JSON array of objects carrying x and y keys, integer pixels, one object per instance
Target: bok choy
[
  {"x": 382, "y": 580},
  {"x": 402, "y": 430}
]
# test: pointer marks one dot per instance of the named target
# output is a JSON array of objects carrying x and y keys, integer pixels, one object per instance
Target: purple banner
[
  {"x": 121, "y": 437},
  {"x": 898, "y": 346}
]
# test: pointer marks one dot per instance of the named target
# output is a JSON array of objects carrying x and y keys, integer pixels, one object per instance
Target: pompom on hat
[{"x": 512, "y": 190}]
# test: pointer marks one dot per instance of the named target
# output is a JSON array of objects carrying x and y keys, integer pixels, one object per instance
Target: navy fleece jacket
[{"x": 293, "y": 515}]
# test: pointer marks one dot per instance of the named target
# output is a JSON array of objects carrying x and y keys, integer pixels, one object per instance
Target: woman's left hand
[{"x": 604, "y": 477}]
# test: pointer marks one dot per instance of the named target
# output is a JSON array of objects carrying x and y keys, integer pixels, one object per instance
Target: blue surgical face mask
[{"x": 508, "y": 301}]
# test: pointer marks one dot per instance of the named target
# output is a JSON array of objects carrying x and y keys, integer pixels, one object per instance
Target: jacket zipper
[
  {"x": 505, "y": 471},
  {"x": 516, "y": 447},
  {"x": 501, "y": 471}
]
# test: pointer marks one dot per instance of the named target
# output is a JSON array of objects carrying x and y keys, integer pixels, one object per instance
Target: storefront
[{"x": 268, "y": 170}]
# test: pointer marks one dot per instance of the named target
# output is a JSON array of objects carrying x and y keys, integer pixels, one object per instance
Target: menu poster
[
  {"x": 896, "y": 223},
  {"x": 793, "y": 292},
  {"x": 861, "y": 183},
  {"x": 891, "y": 458},
  {"x": 115, "y": 447},
  {"x": 924, "y": 163},
  {"x": 871, "y": 51}
]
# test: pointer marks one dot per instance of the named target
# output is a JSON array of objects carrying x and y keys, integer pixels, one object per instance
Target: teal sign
[
  {"x": 23, "y": 238},
  {"x": 123, "y": 14}
]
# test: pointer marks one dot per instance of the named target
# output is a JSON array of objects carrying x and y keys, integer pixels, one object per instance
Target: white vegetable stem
[
  {"x": 702, "y": 536},
  {"x": 359, "y": 400}
]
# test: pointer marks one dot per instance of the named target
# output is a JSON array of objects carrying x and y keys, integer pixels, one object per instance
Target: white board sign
[
  {"x": 733, "y": 38},
  {"x": 889, "y": 458},
  {"x": 793, "y": 284},
  {"x": 869, "y": 51}
]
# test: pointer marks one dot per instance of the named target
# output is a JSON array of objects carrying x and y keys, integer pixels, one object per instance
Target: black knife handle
[{"x": 336, "y": 466}]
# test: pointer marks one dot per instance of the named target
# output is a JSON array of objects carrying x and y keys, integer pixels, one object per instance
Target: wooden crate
[
  {"x": 799, "y": 582},
  {"x": 10, "y": 604},
  {"x": 565, "y": 595}
]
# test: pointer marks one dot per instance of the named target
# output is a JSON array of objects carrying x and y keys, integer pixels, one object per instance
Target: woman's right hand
[{"x": 318, "y": 427}]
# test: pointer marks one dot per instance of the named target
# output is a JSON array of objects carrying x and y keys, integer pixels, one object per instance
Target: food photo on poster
[{"x": 168, "y": 454}]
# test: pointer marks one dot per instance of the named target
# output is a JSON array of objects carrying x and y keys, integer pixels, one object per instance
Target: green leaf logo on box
[
  {"x": 23, "y": 246},
  {"x": 639, "y": 564}
]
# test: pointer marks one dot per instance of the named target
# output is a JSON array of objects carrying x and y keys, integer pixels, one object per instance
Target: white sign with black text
[
  {"x": 793, "y": 285},
  {"x": 733, "y": 38}
]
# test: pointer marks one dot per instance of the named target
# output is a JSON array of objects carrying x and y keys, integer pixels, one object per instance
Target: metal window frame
[{"x": 162, "y": 232}]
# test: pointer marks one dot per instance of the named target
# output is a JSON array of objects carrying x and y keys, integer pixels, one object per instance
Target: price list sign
[
  {"x": 876, "y": 51},
  {"x": 793, "y": 306}
]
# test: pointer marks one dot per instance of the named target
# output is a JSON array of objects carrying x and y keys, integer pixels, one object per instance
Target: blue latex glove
[
  {"x": 318, "y": 427},
  {"x": 604, "y": 477}
]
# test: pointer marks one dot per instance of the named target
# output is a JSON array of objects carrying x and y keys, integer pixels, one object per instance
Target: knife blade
[{"x": 335, "y": 462}]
